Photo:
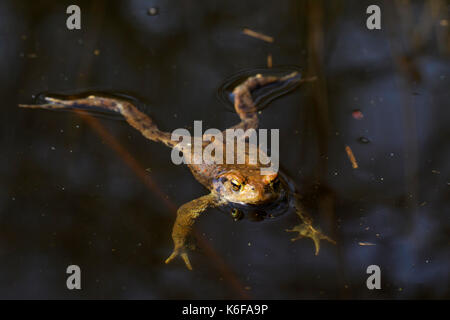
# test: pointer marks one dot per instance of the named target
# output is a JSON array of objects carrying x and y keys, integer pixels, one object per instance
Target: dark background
[{"x": 95, "y": 193}]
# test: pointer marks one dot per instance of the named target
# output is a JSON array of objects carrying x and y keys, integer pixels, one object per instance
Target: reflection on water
[{"x": 92, "y": 192}]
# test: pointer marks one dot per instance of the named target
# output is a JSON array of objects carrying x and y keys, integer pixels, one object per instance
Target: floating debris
[
  {"x": 366, "y": 244},
  {"x": 357, "y": 114},
  {"x": 97, "y": 52},
  {"x": 435, "y": 172},
  {"x": 363, "y": 140},
  {"x": 153, "y": 11},
  {"x": 269, "y": 60},
  {"x": 257, "y": 35},
  {"x": 351, "y": 157}
]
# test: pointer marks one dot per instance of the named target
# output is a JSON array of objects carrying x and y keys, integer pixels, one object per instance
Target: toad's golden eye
[{"x": 235, "y": 185}]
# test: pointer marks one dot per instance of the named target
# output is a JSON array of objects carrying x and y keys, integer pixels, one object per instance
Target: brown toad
[{"x": 240, "y": 186}]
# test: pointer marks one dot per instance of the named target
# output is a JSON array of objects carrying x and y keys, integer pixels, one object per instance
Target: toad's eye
[{"x": 235, "y": 185}]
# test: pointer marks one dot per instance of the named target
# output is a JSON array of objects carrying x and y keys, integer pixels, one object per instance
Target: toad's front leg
[
  {"x": 305, "y": 229},
  {"x": 182, "y": 228}
]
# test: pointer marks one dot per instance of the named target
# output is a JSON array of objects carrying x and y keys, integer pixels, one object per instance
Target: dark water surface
[{"x": 93, "y": 192}]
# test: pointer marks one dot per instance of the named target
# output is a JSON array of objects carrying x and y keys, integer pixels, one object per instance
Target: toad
[{"x": 242, "y": 187}]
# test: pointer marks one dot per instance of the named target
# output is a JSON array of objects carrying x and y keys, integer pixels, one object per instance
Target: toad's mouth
[{"x": 259, "y": 211}]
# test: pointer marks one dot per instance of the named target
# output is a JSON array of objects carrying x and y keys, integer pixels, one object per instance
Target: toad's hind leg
[
  {"x": 243, "y": 102},
  {"x": 132, "y": 115},
  {"x": 186, "y": 216}
]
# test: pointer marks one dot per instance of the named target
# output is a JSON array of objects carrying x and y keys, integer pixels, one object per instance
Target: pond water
[{"x": 92, "y": 192}]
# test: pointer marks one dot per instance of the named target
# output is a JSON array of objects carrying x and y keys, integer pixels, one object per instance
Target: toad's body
[{"x": 229, "y": 184}]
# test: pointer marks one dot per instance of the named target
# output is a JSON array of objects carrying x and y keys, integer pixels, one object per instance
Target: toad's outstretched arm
[
  {"x": 133, "y": 116},
  {"x": 182, "y": 228}
]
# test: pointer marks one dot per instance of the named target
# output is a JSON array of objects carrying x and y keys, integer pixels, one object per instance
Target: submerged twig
[
  {"x": 351, "y": 157},
  {"x": 257, "y": 35}
]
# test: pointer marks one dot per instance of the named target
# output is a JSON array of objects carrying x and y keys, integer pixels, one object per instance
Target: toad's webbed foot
[
  {"x": 182, "y": 252},
  {"x": 305, "y": 228},
  {"x": 244, "y": 105},
  {"x": 308, "y": 231}
]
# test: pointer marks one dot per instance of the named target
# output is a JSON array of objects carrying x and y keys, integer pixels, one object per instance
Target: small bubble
[
  {"x": 363, "y": 140},
  {"x": 53, "y": 148}
]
